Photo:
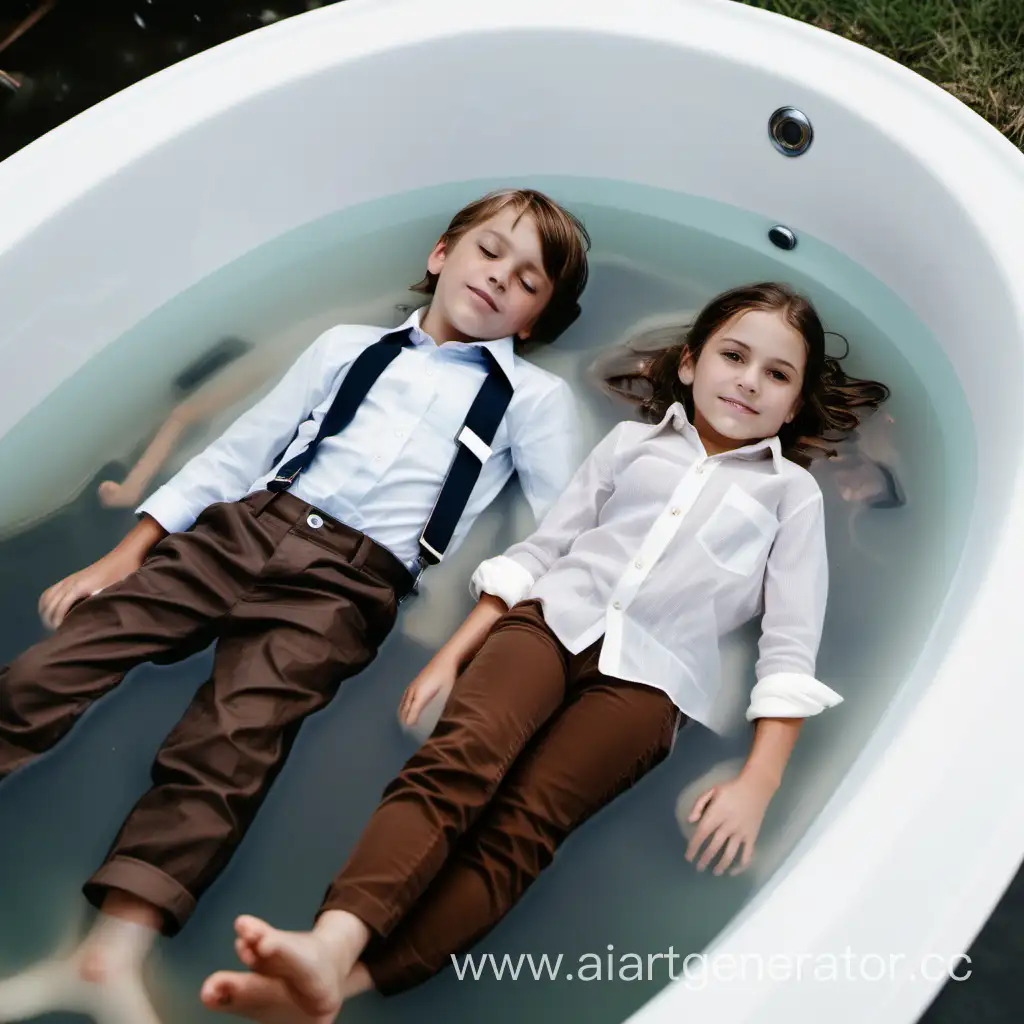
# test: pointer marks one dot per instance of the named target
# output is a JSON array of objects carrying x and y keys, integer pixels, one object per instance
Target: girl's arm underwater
[
  {"x": 503, "y": 581},
  {"x": 786, "y": 693}
]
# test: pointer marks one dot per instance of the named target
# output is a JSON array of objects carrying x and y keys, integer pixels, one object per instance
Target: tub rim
[{"x": 184, "y": 94}]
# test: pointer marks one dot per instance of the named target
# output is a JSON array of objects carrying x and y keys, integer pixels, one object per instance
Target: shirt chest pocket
[{"x": 738, "y": 533}]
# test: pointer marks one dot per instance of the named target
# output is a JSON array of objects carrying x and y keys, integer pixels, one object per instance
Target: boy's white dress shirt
[{"x": 383, "y": 473}]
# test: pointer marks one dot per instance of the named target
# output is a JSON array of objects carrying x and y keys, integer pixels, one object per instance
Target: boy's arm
[
  {"x": 224, "y": 471},
  {"x": 56, "y": 601},
  {"x": 226, "y": 468},
  {"x": 511, "y": 575}
]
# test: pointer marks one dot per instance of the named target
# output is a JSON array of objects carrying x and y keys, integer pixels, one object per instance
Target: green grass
[{"x": 972, "y": 48}]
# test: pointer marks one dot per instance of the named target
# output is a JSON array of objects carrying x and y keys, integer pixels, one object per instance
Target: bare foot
[
  {"x": 258, "y": 998},
  {"x": 296, "y": 972},
  {"x": 357, "y": 982},
  {"x": 37, "y": 990},
  {"x": 269, "y": 1000},
  {"x": 60, "y": 985},
  {"x": 119, "y": 941},
  {"x": 100, "y": 964}
]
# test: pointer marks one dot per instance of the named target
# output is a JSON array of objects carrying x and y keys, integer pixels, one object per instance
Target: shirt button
[
  {"x": 399, "y": 433},
  {"x": 617, "y": 605},
  {"x": 639, "y": 563},
  {"x": 315, "y": 521},
  {"x": 676, "y": 511},
  {"x": 700, "y": 470},
  {"x": 376, "y": 458}
]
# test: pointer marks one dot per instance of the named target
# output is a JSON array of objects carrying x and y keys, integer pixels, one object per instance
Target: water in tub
[{"x": 620, "y": 892}]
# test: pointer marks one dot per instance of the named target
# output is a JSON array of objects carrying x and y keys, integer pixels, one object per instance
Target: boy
[{"x": 291, "y": 540}]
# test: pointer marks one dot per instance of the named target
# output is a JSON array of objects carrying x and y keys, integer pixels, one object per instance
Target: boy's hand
[
  {"x": 730, "y": 816},
  {"x": 437, "y": 678},
  {"x": 59, "y": 599}
]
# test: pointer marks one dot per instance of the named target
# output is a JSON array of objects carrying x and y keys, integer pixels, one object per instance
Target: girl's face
[{"x": 747, "y": 380}]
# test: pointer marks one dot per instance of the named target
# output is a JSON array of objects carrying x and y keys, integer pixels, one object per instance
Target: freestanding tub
[{"x": 110, "y": 217}]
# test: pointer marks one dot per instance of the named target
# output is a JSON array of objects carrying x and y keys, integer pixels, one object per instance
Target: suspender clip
[
  {"x": 282, "y": 483},
  {"x": 470, "y": 439},
  {"x": 434, "y": 556}
]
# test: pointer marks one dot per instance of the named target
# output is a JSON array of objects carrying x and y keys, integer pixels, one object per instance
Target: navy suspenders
[
  {"x": 473, "y": 440},
  {"x": 362, "y": 374}
]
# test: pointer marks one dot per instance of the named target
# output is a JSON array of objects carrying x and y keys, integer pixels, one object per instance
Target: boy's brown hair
[{"x": 564, "y": 245}]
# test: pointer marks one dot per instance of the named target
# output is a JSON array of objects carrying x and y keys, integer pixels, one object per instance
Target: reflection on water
[{"x": 621, "y": 880}]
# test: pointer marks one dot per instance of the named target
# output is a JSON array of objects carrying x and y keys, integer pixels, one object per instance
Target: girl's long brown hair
[{"x": 833, "y": 402}]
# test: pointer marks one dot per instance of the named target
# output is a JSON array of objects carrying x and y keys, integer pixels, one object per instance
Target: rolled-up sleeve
[
  {"x": 226, "y": 469},
  {"x": 795, "y": 596},
  {"x": 501, "y": 577},
  {"x": 511, "y": 575}
]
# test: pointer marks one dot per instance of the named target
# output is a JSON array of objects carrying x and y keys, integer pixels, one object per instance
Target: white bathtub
[{"x": 123, "y": 208}]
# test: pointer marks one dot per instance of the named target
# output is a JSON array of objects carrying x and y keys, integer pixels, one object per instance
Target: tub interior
[{"x": 620, "y": 886}]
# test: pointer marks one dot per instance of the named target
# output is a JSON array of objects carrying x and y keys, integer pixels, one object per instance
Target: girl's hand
[
  {"x": 437, "y": 678},
  {"x": 730, "y": 817}
]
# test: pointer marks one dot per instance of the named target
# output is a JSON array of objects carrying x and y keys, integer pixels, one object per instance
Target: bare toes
[
  {"x": 249, "y": 927},
  {"x": 264, "y": 1000},
  {"x": 246, "y": 953},
  {"x": 219, "y": 989}
]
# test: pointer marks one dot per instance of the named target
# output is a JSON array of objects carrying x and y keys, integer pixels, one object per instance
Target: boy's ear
[
  {"x": 526, "y": 330},
  {"x": 435, "y": 261}
]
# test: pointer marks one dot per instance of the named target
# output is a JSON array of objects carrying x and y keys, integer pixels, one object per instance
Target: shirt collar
[
  {"x": 676, "y": 416},
  {"x": 503, "y": 349}
]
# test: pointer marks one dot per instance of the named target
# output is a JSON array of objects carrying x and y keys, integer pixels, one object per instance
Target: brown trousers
[
  {"x": 296, "y": 601},
  {"x": 532, "y": 742}
]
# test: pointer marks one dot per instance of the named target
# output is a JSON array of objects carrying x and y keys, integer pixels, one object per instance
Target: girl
[{"x": 592, "y": 642}]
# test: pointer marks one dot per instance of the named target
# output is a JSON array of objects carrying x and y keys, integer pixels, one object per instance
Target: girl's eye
[
  {"x": 734, "y": 356},
  {"x": 529, "y": 287},
  {"x": 489, "y": 255},
  {"x": 779, "y": 375}
]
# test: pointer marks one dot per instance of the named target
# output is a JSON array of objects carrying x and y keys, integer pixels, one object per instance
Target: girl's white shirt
[{"x": 662, "y": 549}]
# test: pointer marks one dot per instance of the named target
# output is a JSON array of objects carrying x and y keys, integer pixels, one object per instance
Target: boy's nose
[{"x": 502, "y": 268}]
